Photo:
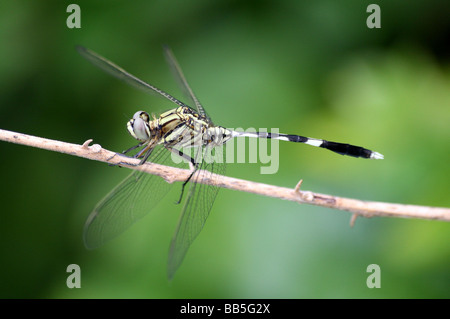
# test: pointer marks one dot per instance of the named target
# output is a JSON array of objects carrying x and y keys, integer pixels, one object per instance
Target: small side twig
[
  {"x": 171, "y": 174},
  {"x": 353, "y": 219}
]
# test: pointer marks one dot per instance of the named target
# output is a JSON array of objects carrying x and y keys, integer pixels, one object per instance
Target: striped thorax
[{"x": 180, "y": 127}]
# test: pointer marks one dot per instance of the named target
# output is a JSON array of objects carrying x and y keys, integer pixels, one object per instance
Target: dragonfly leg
[
  {"x": 118, "y": 164},
  {"x": 193, "y": 165},
  {"x": 108, "y": 159},
  {"x": 146, "y": 152},
  {"x": 127, "y": 151},
  {"x": 184, "y": 184},
  {"x": 132, "y": 148}
]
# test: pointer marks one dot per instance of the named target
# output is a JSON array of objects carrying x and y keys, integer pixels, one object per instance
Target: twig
[{"x": 171, "y": 174}]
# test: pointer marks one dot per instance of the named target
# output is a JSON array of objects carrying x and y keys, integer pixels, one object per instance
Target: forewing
[
  {"x": 121, "y": 74},
  {"x": 181, "y": 79}
]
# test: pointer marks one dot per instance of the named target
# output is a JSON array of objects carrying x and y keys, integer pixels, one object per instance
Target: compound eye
[
  {"x": 139, "y": 130},
  {"x": 141, "y": 115},
  {"x": 138, "y": 126},
  {"x": 145, "y": 116}
]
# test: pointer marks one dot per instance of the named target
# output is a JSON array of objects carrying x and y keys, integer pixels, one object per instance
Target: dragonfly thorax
[{"x": 182, "y": 126}]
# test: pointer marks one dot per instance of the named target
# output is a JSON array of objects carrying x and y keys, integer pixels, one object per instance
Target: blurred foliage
[{"x": 306, "y": 67}]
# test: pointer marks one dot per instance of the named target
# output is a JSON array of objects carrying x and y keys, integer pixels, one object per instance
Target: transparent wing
[
  {"x": 197, "y": 207},
  {"x": 129, "y": 201},
  {"x": 123, "y": 75},
  {"x": 182, "y": 82}
]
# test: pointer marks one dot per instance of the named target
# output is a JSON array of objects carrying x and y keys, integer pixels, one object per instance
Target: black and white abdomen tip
[
  {"x": 376, "y": 155},
  {"x": 350, "y": 150},
  {"x": 340, "y": 148}
]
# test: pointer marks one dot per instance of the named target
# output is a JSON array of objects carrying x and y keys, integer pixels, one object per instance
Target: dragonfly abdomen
[{"x": 340, "y": 148}]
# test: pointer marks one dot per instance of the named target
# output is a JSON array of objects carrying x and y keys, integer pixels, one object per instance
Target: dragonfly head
[{"x": 139, "y": 126}]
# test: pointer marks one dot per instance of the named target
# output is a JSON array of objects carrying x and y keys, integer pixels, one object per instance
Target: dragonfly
[{"x": 187, "y": 133}]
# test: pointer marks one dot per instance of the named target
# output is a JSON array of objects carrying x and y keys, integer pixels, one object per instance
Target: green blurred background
[{"x": 306, "y": 67}]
